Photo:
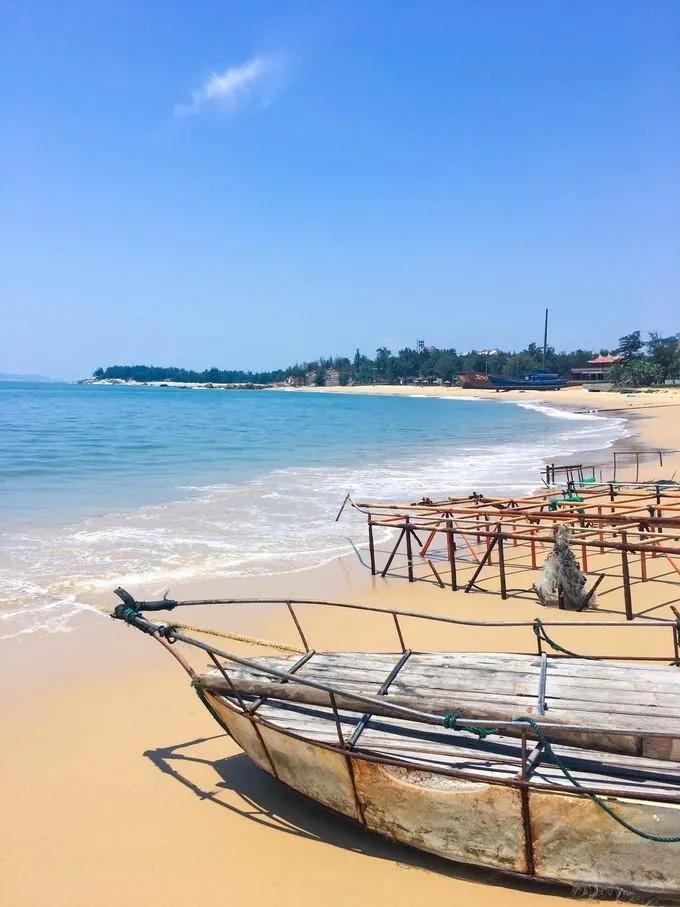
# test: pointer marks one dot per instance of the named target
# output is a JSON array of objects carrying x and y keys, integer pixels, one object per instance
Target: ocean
[{"x": 101, "y": 485}]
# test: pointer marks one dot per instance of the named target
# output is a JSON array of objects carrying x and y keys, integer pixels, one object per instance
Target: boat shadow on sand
[{"x": 245, "y": 790}]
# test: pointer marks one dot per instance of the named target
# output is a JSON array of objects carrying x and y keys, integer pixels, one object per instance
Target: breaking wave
[{"x": 245, "y": 528}]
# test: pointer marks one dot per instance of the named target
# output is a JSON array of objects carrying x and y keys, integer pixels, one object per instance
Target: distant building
[
  {"x": 332, "y": 377},
  {"x": 598, "y": 371},
  {"x": 310, "y": 378},
  {"x": 293, "y": 381}
]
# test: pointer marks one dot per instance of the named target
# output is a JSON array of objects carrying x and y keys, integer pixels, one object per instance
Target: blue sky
[{"x": 250, "y": 184}]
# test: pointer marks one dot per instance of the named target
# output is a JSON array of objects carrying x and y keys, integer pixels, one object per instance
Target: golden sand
[{"x": 119, "y": 788}]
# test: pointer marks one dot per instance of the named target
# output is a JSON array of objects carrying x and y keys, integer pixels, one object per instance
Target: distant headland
[{"x": 9, "y": 376}]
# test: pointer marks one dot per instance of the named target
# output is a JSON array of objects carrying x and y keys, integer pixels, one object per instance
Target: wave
[
  {"x": 555, "y": 412},
  {"x": 244, "y": 529}
]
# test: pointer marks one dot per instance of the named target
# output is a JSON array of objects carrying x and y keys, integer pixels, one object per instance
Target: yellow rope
[{"x": 267, "y": 643}]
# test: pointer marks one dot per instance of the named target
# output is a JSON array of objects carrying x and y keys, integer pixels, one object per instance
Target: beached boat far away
[
  {"x": 536, "y": 381},
  {"x": 537, "y": 763}
]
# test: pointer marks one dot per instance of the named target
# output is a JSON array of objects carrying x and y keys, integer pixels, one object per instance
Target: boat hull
[
  {"x": 479, "y": 381},
  {"x": 549, "y": 835}
]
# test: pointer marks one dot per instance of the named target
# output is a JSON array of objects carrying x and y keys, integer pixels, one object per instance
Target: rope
[
  {"x": 267, "y": 643},
  {"x": 541, "y": 634},
  {"x": 130, "y": 613},
  {"x": 648, "y": 836},
  {"x": 451, "y": 722}
]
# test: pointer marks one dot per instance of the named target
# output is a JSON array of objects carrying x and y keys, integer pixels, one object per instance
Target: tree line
[
  {"x": 644, "y": 362},
  {"x": 647, "y": 362}
]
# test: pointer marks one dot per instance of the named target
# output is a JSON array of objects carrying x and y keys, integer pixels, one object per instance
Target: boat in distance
[
  {"x": 555, "y": 767},
  {"x": 539, "y": 381}
]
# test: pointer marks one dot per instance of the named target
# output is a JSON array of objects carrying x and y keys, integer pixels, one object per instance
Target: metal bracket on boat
[
  {"x": 542, "y": 677},
  {"x": 163, "y": 604},
  {"x": 131, "y": 611}
]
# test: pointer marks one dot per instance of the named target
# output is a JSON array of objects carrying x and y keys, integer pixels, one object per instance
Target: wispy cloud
[{"x": 254, "y": 79}]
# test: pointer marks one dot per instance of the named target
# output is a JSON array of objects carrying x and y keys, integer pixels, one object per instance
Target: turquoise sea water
[{"x": 101, "y": 485}]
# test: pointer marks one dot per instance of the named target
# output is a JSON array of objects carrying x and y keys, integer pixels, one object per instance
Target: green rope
[
  {"x": 659, "y": 839},
  {"x": 451, "y": 722},
  {"x": 542, "y": 636}
]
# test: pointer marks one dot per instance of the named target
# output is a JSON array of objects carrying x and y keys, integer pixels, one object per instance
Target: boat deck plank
[
  {"x": 611, "y": 696},
  {"x": 498, "y": 759}
]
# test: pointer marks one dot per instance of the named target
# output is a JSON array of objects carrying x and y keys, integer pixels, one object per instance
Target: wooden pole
[
  {"x": 451, "y": 546},
  {"x": 599, "y": 514},
  {"x": 394, "y": 551},
  {"x": 409, "y": 549},
  {"x": 481, "y": 564},
  {"x": 371, "y": 545},
  {"x": 501, "y": 564},
  {"x": 436, "y": 573},
  {"x": 627, "y": 598}
]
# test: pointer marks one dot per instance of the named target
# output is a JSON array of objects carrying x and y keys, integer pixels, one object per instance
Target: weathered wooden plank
[
  {"x": 442, "y": 701},
  {"x": 511, "y": 661},
  {"x": 620, "y": 698},
  {"x": 665, "y": 681},
  {"x": 628, "y": 742}
]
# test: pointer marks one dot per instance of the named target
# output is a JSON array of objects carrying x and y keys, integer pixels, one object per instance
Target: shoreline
[
  {"x": 643, "y": 409},
  {"x": 457, "y": 461},
  {"x": 115, "y": 765}
]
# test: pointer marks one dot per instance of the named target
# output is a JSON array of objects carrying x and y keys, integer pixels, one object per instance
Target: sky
[{"x": 249, "y": 185}]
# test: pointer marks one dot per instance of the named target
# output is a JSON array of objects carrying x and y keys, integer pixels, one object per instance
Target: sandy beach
[{"x": 120, "y": 788}]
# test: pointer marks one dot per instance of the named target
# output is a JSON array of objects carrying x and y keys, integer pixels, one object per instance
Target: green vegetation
[
  {"x": 647, "y": 363},
  {"x": 644, "y": 363},
  {"x": 169, "y": 373}
]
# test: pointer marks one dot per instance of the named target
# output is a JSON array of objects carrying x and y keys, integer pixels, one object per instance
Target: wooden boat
[
  {"x": 558, "y": 768},
  {"x": 537, "y": 381}
]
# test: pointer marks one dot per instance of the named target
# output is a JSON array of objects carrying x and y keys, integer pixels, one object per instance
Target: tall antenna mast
[{"x": 545, "y": 338}]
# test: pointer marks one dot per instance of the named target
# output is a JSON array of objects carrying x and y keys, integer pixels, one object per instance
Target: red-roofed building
[
  {"x": 605, "y": 360},
  {"x": 597, "y": 372}
]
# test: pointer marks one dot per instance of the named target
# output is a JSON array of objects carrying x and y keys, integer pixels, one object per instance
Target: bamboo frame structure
[
  {"x": 627, "y": 533},
  {"x": 621, "y": 458}
]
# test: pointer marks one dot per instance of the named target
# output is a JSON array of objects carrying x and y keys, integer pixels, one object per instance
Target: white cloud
[{"x": 235, "y": 84}]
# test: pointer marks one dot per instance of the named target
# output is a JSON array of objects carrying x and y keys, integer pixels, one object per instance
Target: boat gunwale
[{"x": 170, "y": 604}]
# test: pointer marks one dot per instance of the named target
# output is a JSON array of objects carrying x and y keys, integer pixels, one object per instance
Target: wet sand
[{"x": 120, "y": 788}]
